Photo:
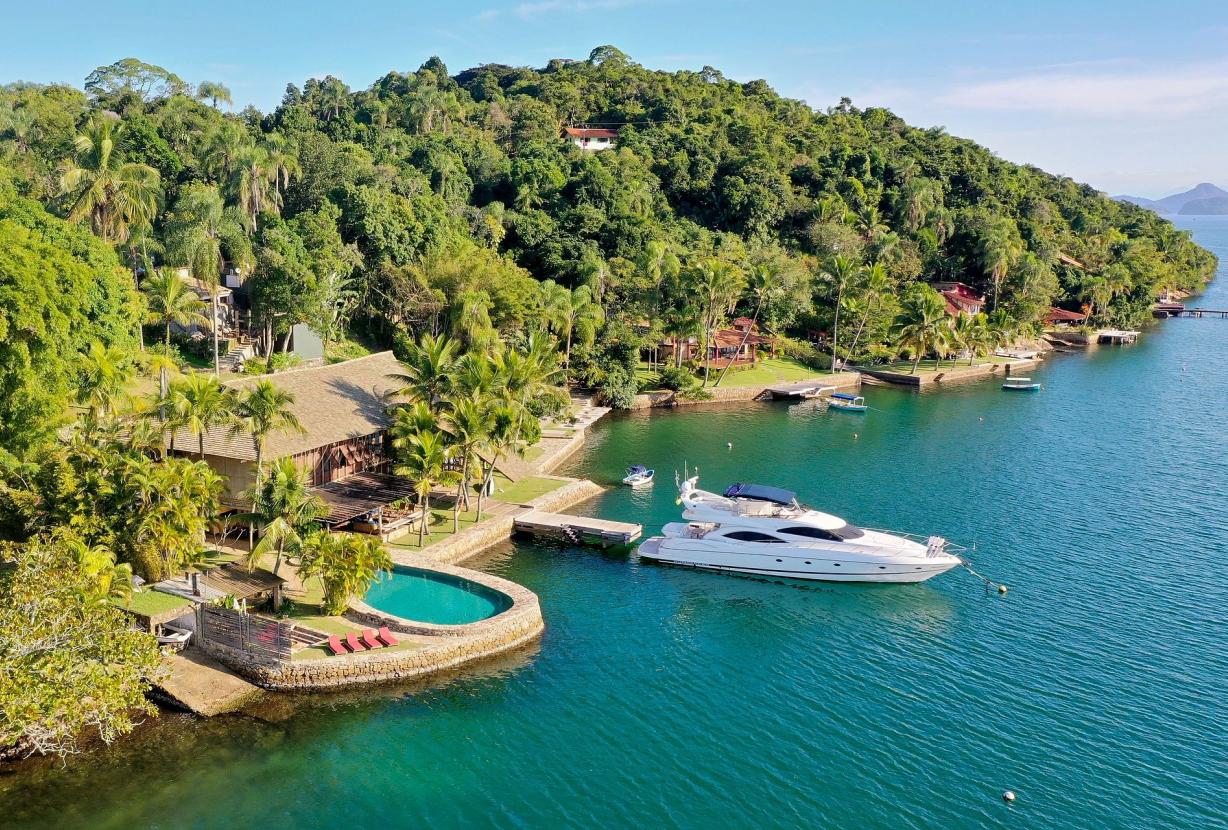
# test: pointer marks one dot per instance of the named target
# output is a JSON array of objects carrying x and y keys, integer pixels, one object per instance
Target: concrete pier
[{"x": 577, "y": 529}]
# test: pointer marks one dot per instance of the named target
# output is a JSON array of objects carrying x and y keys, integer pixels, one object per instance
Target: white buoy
[
  {"x": 729, "y": 444},
  {"x": 1009, "y": 795},
  {"x": 1001, "y": 589}
]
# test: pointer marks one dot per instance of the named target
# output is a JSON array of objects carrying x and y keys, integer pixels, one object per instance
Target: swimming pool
[{"x": 434, "y": 597}]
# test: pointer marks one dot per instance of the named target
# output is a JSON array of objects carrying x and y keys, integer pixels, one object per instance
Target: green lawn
[
  {"x": 931, "y": 365},
  {"x": 348, "y": 348},
  {"x": 769, "y": 371},
  {"x": 766, "y": 372},
  {"x": 526, "y": 489},
  {"x": 439, "y": 529},
  {"x": 150, "y": 603}
]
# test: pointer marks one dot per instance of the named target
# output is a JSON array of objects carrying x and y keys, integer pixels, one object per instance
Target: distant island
[{"x": 1201, "y": 200}]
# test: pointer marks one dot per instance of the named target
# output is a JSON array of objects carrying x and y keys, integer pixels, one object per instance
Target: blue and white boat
[
  {"x": 1019, "y": 384},
  {"x": 848, "y": 403},
  {"x": 638, "y": 476}
]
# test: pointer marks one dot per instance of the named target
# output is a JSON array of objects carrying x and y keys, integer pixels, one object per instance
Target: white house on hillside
[{"x": 591, "y": 138}]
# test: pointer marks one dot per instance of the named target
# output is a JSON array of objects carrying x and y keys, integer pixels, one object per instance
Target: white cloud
[{"x": 1091, "y": 90}]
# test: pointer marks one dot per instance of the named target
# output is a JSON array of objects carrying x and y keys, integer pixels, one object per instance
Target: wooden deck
[
  {"x": 577, "y": 529},
  {"x": 802, "y": 389}
]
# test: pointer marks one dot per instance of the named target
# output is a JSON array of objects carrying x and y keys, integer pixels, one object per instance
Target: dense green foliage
[
  {"x": 441, "y": 202},
  {"x": 70, "y": 667},
  {"x": 60, "y": 289}
]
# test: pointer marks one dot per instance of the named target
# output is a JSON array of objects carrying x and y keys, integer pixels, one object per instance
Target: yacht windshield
[{"x": 837, "y": 534}]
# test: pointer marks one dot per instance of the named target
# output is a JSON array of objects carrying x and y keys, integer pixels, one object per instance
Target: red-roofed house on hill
[
  {"x": 591, "y": 138},
  {"x": 960, "y": 298}
]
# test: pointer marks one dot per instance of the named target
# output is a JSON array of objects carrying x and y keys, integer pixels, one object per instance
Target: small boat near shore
[
  {"x": 848, "y": 403},
  {"x": 765, "y": 531},
  {"x": 1018, "y": 384},
  {"x": 638, "y": 476}
]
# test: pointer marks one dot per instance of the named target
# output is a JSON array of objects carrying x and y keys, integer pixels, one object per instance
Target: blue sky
[{"x": 1129, "y": 96}]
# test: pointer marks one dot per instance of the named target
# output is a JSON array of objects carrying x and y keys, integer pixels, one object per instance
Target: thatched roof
[{"x": 333, "y": 403}]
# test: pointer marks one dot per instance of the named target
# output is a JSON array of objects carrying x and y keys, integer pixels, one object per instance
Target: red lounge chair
[
  {"x": 351, "y": 640},
  {"x": 386, "y": 637},
  {"x": 368, "y": 639},
  {"x": 337, "y": 646}
]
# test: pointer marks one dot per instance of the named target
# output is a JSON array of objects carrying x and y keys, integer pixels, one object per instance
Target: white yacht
[{"x": 762, "y": 530}]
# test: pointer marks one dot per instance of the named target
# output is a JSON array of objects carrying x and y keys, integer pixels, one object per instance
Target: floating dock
[{"x": 577, "y": 529}]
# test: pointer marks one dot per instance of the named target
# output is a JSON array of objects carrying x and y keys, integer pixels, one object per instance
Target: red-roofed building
[
  {"x": 960, "y": 298},
  {"x": 739, "y": 345},
  {"x": 591, "y": 138},
  {"x": 1061, "y": 317}
]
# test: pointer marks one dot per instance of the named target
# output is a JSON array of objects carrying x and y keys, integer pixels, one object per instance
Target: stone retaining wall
[
  {"x": 460, "y": 546},
  {"x": 575, "y": 491},
  {"x": 446, "y": 646},
  {"x": 551, "y": 460}
]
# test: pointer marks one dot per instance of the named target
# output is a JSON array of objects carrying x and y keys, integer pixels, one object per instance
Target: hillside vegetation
[{"x": 433, "y": 201}]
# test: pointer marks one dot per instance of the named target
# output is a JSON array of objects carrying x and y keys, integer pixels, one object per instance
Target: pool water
[{"x": 433, "y": 597}]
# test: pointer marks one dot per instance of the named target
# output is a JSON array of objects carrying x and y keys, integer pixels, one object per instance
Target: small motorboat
[
  {"x": 1021, "y": 384},
  {"x": 848, "y": 403},
  {"x": 638, "y": 476}
]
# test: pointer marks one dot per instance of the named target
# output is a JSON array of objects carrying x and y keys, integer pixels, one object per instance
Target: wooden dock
[
  {"x": 802, "y": 389},
  {"x": 577, "y": 529},
  {"x": 1202, "y": 312}
]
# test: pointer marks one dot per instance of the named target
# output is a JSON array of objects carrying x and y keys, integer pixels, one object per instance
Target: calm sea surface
[{"x": 1097, "y": 689}]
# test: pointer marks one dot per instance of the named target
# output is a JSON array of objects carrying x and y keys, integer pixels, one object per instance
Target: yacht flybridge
[{"x": 761, "y": 530}]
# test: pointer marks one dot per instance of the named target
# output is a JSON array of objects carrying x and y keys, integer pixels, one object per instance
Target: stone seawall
[
  {"x": 460, "y": 546},
  {"x": 575, "y": 491},
  {"x": 442, "y": 647},
  {"x": 565, "y": 450}
]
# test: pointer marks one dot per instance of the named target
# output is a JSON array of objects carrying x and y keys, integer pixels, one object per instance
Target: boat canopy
[
  {"x": 761, "y": 492},
  {"x": 636, "y": 469},
  {"x": 844, "y": 396}
]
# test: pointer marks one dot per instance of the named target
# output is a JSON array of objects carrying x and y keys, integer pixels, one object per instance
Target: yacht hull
[{"x": 817, "y": 565}]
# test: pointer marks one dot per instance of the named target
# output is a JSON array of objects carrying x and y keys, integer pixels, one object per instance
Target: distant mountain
[
  {"x": 1201, "y": 200},
  {"x": 1212, "y": 206}
]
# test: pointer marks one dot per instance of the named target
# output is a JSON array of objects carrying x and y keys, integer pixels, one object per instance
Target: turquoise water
[
  {"x": 1097, "y": 689},
  {"x": 430, "y": 597}
]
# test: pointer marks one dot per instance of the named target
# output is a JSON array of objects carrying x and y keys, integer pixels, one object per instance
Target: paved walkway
[{"x": 202, "y": 685}]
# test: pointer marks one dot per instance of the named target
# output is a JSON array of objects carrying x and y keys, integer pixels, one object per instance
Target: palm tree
[
  {"x": 206, "y": 404},
  {"x": 109, "y": 581},
  {"x": 224, "y": 146},
  {"x": 200, "y": 223},
  {"x": 261, "y": 411},
  {"x": 877, "y": 285},
  {"x": 106, "y": 373},
  {"x": 840, "y": 272},
  {"x": 717, "y": 285},
  {"x": 100, "y": 186},
  {"x": 922, "y": 322},
  {"x": 254, "y": 185},
  {"x": 169, "y": 301},
  {"x": 468, "y": 423},
  {"x": 571, "y": 314},
  {"x": 870, "y": 223},
  {"x": 285, "y": 507},
  {"x": 212, "y": 91},
  {"x": 763, "y": 283},
  {"x": 997, "y": 250},
  {"x": 425, "y": 460},
  {"x": 428, "y": 371},
  {"x": 502, "y": 436}
]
